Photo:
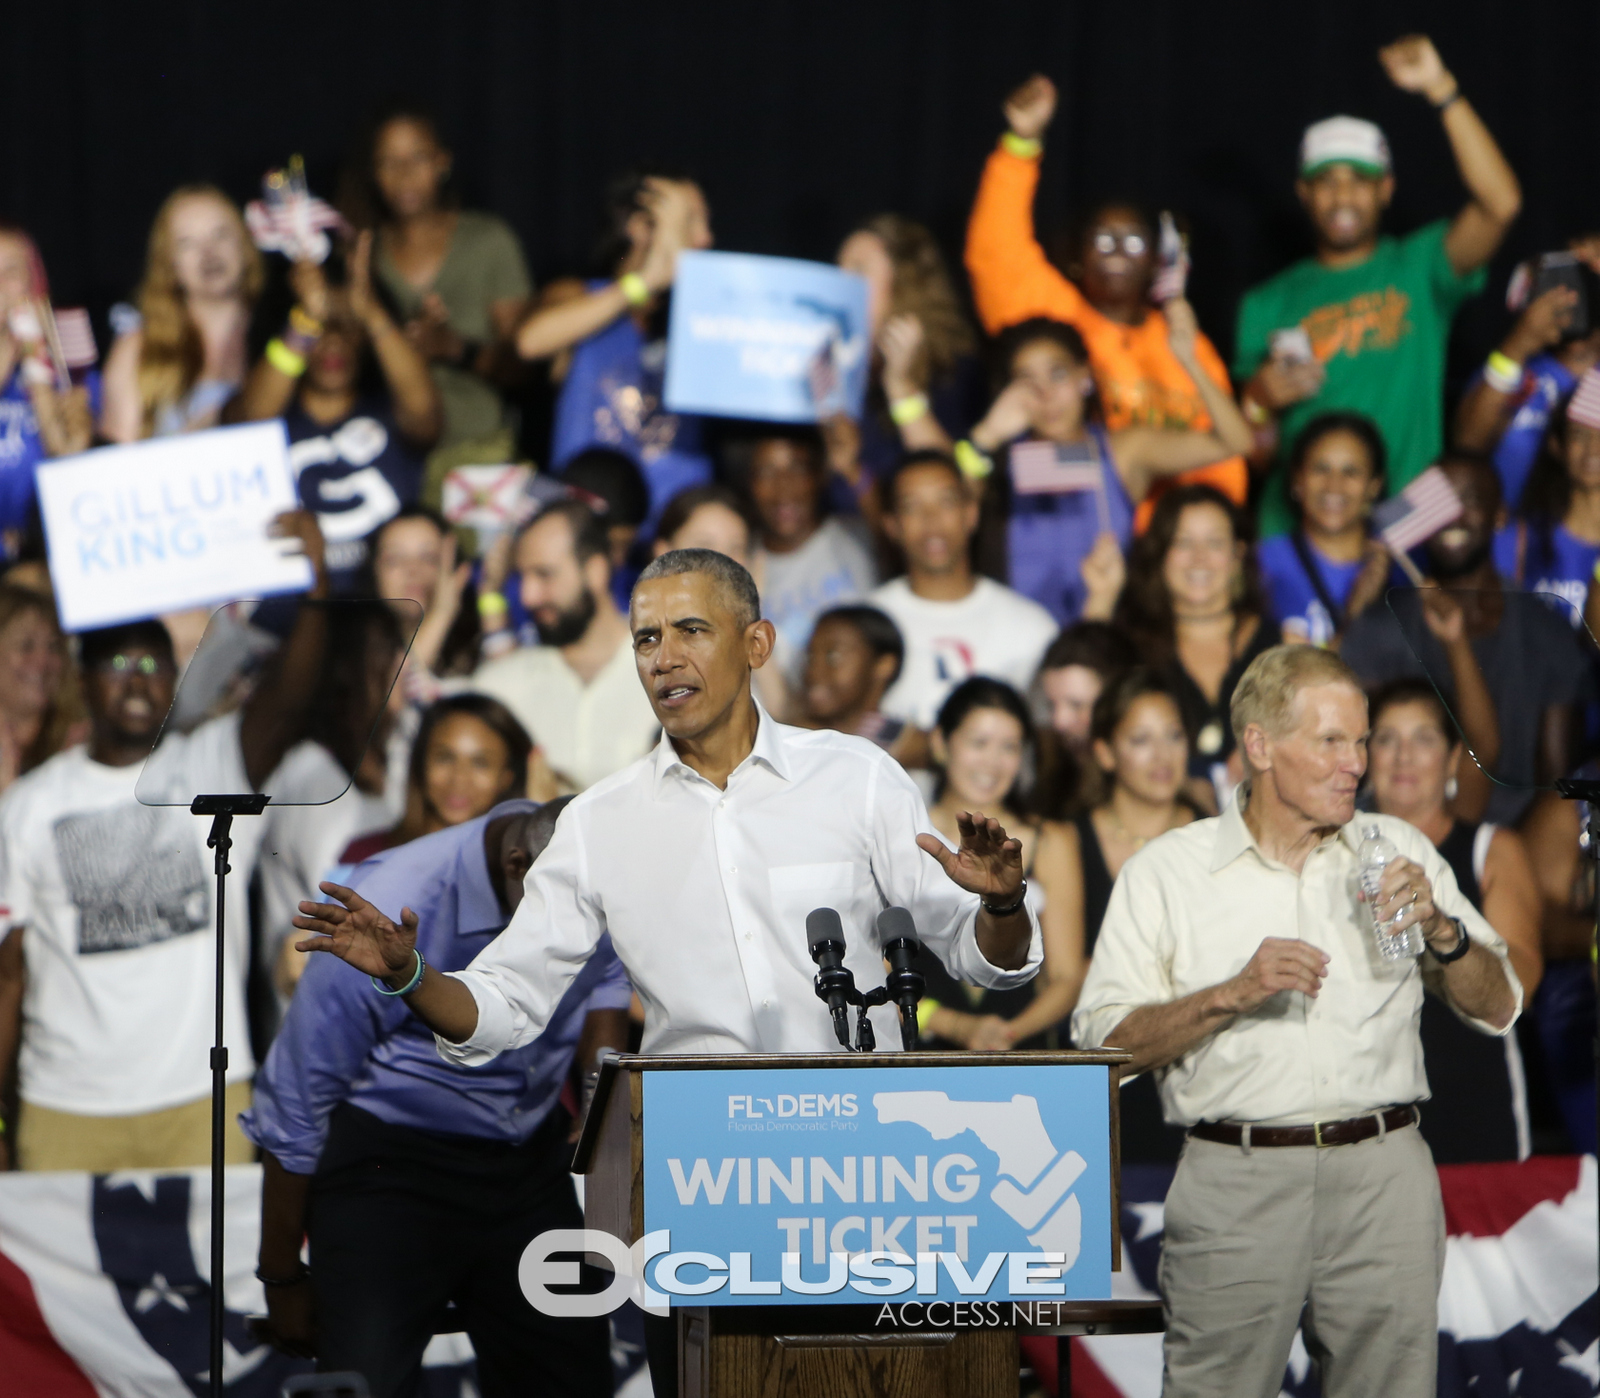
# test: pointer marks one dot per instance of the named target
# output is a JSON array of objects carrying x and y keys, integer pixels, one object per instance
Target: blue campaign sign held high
[
  {"x": 773, "y": 338},
  {"x": 796, "y": 1186}
]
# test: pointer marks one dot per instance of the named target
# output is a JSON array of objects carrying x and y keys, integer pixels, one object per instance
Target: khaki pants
[
  {"x": 175, "y": 1138},
  {"x": 1346, "y": 1242}
]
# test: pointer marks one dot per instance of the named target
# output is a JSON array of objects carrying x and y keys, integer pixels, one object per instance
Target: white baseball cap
[{"x": 1344, "y": 140}]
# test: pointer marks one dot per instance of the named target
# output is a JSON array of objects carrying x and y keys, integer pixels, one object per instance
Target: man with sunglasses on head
[
  {"x": 107, "y": 908},
  {"x": 1363, "y": 324}
]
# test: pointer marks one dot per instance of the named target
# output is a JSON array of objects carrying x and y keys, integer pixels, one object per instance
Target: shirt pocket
[{"x": 798, "y": 889}]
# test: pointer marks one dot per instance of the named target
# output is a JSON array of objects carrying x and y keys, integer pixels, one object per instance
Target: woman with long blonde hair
[{"x": 186, "y": 357}]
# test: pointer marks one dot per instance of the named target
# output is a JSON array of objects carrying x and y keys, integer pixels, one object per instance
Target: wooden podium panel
[{"x": 719, "y": 1359}]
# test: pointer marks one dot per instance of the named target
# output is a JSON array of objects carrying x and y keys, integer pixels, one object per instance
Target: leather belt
[{"x": 1322, "y": 1133}]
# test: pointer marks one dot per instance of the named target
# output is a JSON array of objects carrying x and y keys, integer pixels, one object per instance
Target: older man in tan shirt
[{"x": 1237, "y": 962}]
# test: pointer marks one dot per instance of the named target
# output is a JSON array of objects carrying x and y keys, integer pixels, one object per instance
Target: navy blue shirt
[
  {"x": 612, "y": 397},
  {"x": 355, "y": 475},
  {"x": 342, "y": 1041}
]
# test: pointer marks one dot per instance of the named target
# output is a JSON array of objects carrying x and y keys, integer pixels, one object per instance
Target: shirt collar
[
  {"x": 769, "y": 749},
  {"x": 1234, "y": 836},
  {"x": 478, "y": 907}
]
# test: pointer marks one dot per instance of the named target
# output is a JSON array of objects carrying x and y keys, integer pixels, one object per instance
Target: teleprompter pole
[{"x": 222, "y": 810}]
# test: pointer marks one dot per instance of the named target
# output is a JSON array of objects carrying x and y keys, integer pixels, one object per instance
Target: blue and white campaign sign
[
  {"x": 161, "y": 526},
  {"x": 766, "y": 337},
  {"x": 800, "y": 1186}
]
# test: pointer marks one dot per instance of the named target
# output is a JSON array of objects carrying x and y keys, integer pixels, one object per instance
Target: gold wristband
[
  {"x": 912, "y": 408},
  {"x": 974, "y": 465},
  {"x": 285, "y": 360},
  {"x": 635, "y": 290},
  {"x": 1254, "y": 412},
  {"x": 1023, "y": 147},
  {"x": 303, "y": 321}
]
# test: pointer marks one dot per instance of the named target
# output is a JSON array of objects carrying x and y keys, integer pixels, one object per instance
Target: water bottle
[{"x": 1377, "y": 852}]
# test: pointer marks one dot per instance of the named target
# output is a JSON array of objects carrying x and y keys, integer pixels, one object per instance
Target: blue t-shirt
[
  {"x": 1292, "y": 596},
  {"x": 355, "y": 474},
  {"x": 612, "y": 398},
  {"x": 1049, "y": 535},
  {"x": 1545, "y": 384},
  {"x": 1564, "y": 568},
  {"x": 21, "y": 450}
]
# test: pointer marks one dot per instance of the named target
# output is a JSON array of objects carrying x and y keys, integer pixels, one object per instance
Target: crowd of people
[{"x": 1032, "y": 570}]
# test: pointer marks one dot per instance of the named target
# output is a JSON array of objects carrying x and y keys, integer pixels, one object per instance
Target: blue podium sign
[
  {"x": 773, "y": 338},
  {"x": 796, "y": 1186}
]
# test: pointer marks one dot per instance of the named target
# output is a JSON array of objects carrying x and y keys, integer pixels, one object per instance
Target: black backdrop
[{"x": 800, "y": 118}]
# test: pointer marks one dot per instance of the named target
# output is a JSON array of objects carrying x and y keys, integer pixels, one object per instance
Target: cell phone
[
  {"x": 1553, "y": 269},
  {"x": 1292, "y": 346}
]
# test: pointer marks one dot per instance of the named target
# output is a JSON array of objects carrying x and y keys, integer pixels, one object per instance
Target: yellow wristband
[
  {"x": 1023, "y": 147},
  {"x": 926, "y": 1009},
  {"x": 1254, "y": 412},
  {"x": 1502, "y": 372},
  {"x": 975, "y": 466},
  {"x": 492, "y": 604},
  {"x": 285, "y": 360},
  {"x": 912, "y": 408},
  {"x": 635, "y": 290}
]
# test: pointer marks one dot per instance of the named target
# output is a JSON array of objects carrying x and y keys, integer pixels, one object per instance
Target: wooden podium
[{"x": 800, "y": 1351}]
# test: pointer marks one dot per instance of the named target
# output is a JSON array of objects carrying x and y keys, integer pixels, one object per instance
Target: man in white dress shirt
[
  {"x": 702, "y": 860},
  {"x": 1306, "y": 1197}
]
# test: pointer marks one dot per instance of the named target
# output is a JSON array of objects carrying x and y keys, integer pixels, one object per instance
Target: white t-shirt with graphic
[
  {"x": 117, "y": 901},
  {"x": 991, "y": 631}
]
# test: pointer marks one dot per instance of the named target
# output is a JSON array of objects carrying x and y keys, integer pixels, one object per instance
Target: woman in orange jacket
[{"x": 1140, "y": 381}]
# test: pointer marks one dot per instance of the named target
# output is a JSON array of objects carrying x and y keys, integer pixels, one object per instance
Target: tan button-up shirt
[
  {"x": 1190, "y": 909},
  {"x": 587, "y": 731}
]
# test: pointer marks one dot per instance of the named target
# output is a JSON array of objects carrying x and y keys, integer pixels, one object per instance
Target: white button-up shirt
[
  {"x": 705, "y": 894},
  {"x": 1190, "y": 909}
]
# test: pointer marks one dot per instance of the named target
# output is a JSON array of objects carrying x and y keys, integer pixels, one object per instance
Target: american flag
[
  {"x": 76, "y": 337},
  {"x": 294, "y": 224},
  {"x": 1047, "y": 468},
  {"x": 1584, "y": 405},
  {"x": 1418, "y": 512}
]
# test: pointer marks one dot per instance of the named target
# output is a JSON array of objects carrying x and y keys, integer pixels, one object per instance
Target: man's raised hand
[
  {"x": 1414, "y": 65},
  {"x": 358, "y": 933},
  {"x": 1031, "y": 107},
  {"x": 1280, "y": 963},
  {"x": 988, "y": 862}
]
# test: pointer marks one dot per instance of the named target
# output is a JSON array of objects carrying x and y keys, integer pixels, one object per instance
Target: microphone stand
[{"x": 222, "y": 810}]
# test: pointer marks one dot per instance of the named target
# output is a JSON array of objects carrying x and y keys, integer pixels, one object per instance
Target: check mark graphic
[{"x": 1030, "y": 1207}]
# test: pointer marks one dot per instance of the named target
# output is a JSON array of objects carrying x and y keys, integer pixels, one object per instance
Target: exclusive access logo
[{"x": 822, "y": 1195}]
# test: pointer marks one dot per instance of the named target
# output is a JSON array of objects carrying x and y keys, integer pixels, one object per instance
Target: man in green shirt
[{"x": 1370, "y": 316}]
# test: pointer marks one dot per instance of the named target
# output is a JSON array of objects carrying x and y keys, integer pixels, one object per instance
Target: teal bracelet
[{"x": 411, "y": 984}]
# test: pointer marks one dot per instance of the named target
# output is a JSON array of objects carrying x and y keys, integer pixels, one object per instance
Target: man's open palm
[
  {"x": 358, "y": 933},
  {"x": 988, "y": 862}
]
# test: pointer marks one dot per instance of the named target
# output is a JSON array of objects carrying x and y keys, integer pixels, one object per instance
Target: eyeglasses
[
  {"x": 1129, "y": 244},
  {"x": 146, "y": 665}
]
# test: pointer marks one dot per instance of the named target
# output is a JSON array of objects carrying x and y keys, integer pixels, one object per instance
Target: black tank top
[
  {"x": 1097, "y": 881},
  {"x": 941, "y": 986},
  {"x": 1476, "y": 1086}
]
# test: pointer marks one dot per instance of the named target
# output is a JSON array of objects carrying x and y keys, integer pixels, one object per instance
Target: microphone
[
  {"x": 897, "y": 934},
  {"x": 833, "y": 983}
]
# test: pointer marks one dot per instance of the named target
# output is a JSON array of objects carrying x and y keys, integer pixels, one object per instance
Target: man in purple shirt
[{"x": 420, "y": 1183}]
